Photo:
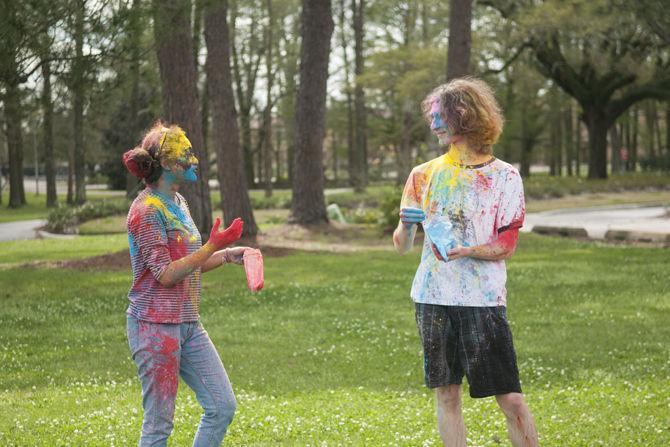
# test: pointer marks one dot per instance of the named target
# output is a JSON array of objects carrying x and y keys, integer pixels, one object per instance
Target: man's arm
[
  {"x": 403, "y": 236},
  {"x": 501, "y": 248}
]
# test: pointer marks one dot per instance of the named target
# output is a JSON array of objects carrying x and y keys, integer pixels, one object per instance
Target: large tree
[
  {"x": 14, "y": 23},
  {"x": 308, "y": 206},
  {"x": 174, "y": 47},
  {"x": 78, "y": 86},
  {"x": 358, "y": 172},
  {"x": 597, "y": 52},
  {"x": 460, "y": 38},
  {"x": 230, "y": 163},
  {"x": 48, "y": 134}
]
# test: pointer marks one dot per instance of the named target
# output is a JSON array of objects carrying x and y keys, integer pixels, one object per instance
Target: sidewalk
[
  {"x": 22, "y": 229},
  {"x": 622, "y": 222}
]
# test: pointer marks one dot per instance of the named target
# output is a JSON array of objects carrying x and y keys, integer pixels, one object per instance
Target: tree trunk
[
  {"x": 351, "y": 148},
  {"x": 308, "y": 205},
  {"x": 13, "y": 118},
  {"x": 597, "y": 127},
  {"x": 230, "y": 164},
  {"x": 360, "y": 128},
  {"x": 70, "y": 174},
  {"x": 633, "y": 148},
  {"x": 48, "y": 131},
  {"x": 615, "y": 145},
  {"x": 267, "y": 114},
  {"x": 569, "y": 138},
  {"x": 405, "y": 154},
  {"x": 460, "y": 38},
  {"x": 135, "y": 34},
  {"x": 174, "y": 47},
  {"x": 578, "y": 145},
  {"x": 78, "y": 94},
  {"x": 650, "y": 119},
  {"x": 526, "y": 142}
]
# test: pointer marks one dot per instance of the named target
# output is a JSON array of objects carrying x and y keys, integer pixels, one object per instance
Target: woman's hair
[
  {"x": 144, "y": 161},
  {"x": 470, "y": 109}
]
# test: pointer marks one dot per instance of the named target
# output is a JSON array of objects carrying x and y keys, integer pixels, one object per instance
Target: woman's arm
[
  {"x": 501, "y": 248},
  {"x": 226, "y": 256},
  {"x": 181, "y": 268}
]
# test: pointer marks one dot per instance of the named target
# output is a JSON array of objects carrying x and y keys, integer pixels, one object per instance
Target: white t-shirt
[{"x": 480, "y": 202}]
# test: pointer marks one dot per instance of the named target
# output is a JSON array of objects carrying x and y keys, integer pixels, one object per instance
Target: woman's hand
[
  {"x": 235, "y": 255},
  {"x": 220, "y": 239}
]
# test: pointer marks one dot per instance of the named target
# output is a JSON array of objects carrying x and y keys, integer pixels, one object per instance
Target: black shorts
[{"x": 471, "y": 341}]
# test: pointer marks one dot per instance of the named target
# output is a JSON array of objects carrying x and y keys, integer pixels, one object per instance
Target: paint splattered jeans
[{"x": 162, "y": 353}]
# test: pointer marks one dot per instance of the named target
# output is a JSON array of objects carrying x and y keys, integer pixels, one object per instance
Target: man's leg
[
  {"x": 520, "y": 424},
  {"x": 449, "y": 415}
]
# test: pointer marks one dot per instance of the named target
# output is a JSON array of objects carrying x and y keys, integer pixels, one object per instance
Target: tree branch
[{"x": 510, "y": 61}]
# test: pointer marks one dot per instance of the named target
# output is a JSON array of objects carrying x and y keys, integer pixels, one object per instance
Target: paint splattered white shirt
[{"x": 480, "y": 201}]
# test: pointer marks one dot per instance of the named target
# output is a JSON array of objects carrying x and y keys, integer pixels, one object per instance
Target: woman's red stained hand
[{"x": 226, "y": 237}]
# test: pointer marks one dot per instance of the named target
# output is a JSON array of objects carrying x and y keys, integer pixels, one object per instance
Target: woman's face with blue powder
[{"x": 438, "y": 125}]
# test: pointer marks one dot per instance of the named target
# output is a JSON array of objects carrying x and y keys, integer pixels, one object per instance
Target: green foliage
[
  {"x": 656, "y": 162},
  {"x": 345, "y": 356},
  {"x": 543, "y": 186},
  {"x": 276, "y": 201},
  {"x": 65, "y": 219},
  {"x": 390, "y": 209}
]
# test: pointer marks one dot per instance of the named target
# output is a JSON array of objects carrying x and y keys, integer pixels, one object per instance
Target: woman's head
[
  {"x": 464, "y": 108},
  {"x": 164, "y": 150}
]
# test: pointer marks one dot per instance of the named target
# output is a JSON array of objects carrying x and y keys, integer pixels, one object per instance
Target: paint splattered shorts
[{"x": 471, "y": 341}]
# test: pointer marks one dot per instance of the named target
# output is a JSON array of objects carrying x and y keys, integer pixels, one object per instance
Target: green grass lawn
[{"x": 328, "y": 353}]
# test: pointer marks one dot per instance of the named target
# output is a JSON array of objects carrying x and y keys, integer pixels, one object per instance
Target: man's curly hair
[{"x": 470, "y": 109}]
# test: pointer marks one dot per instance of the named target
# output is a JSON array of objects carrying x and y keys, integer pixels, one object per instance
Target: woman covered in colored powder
[
  {"x": 471, "y": 206},
  {"x": 165, "y": 335}
]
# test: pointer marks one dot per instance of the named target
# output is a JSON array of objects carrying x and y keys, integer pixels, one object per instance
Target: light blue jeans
[{"x": 162, "y": 353}]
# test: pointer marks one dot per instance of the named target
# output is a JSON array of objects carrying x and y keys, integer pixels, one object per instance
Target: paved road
[
  {"x": 598, "y": 221},
  {"x": 22, "y": 229}
]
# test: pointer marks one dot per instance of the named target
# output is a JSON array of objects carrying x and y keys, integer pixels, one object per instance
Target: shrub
[
  {"x": 656, "y": 163},
  {"x": 65, "y": 219},
  {"x": 389, "y": 205}
]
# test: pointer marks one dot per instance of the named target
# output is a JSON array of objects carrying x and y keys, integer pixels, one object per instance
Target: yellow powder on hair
[{"x": 175, "y": 146}]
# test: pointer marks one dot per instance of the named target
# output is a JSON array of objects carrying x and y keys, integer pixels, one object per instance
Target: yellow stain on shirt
[{"x": 155, "y": 202}]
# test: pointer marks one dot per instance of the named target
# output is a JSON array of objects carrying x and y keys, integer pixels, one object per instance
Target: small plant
[
  {"x": 66, "y": 219},
  {"x": 389, "y": 205}
]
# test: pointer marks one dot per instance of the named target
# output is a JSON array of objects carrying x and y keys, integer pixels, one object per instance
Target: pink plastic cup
[{"x": 253, "y": 267}]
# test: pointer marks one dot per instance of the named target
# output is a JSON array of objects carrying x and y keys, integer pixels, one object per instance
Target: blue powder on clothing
[{"x": 439, "y": 231}]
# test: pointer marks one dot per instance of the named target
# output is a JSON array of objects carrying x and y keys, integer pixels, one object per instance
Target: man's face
[{"x": 438, "y": 125}]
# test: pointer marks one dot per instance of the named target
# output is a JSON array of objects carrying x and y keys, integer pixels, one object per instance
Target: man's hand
[
  {"x": 411, "y": 216},
  {"x": 220, "y": 239},
  {"x": 459, "y": 252}
]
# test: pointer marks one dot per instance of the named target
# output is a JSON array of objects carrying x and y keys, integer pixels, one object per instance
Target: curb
[
  {"x": 560, "y": 231},
  {"x": 637, "y": 236},
  {"x": 41, "y": 234}
]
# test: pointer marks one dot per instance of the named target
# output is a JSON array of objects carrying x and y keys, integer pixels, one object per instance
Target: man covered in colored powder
[
  {"x": 165, "y": 335},
  {"x": 471, "y": 206}
]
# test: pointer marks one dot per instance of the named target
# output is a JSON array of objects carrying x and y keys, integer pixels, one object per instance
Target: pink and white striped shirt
[{"x": 161, "y": 230}]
